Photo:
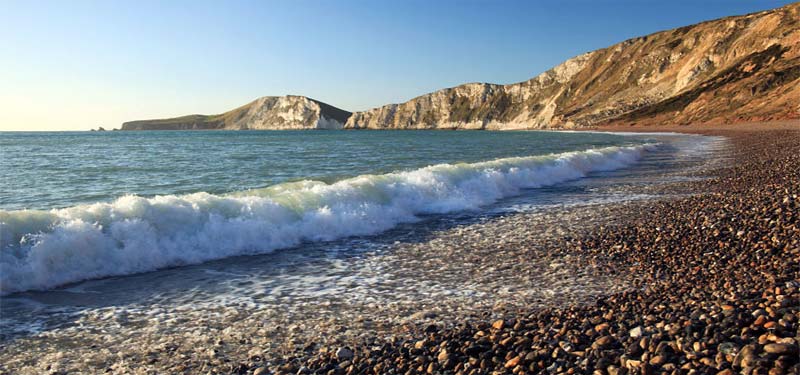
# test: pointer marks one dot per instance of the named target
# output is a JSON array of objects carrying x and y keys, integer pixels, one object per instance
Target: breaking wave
[{"x": 44, "y": 249}]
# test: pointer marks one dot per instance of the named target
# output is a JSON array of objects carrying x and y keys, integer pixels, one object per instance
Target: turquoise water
[
  {"x": 61, "y": 169},
  {"x": 78, "y": 206}
]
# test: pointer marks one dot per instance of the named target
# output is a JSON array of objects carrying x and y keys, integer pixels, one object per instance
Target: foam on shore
[{"x": 45, "y": 249}]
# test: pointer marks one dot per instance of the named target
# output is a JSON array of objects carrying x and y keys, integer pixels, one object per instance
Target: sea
[{"x": 92, "y": 220}]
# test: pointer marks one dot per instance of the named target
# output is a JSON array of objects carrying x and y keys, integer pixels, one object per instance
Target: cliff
[
  {"x": 269, "y": 112},
  {"x": 741, "y": 68}
]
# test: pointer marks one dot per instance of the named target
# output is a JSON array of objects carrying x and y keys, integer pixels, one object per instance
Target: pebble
[
  {"x": 603, "y": 342},
  {"x": 787, "y": 349},
  {"x": 344, "y": 354}
]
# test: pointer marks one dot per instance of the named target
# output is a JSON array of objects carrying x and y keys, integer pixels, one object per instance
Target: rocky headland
[
  {"x": 289, "y": 112},
  {"x": 734, "y": 69}
]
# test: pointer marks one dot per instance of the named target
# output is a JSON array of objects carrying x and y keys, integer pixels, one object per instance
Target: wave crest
[{"x": 45, "y": 249}]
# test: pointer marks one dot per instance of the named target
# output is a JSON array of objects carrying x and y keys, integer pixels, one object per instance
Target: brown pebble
[
  {"x": 658, "y": 360},
  {"x": 498, "y": 324},
  {"x": 603, "y": 342},
  {"x": 780, "y": 349},
  {"x": 513, "y": 362}
]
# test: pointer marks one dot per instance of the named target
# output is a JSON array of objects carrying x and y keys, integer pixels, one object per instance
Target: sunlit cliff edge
[{"x": 733, "y": 69}]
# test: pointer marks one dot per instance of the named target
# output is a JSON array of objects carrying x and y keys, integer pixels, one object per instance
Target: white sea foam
[{"x": 45, "y": 249}]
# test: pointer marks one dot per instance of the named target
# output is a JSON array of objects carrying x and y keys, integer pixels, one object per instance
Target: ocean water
[{"x": 81, "y": 206}]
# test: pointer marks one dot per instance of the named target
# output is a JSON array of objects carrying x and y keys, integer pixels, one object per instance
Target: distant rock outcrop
[{"x": 269, "y": 112}]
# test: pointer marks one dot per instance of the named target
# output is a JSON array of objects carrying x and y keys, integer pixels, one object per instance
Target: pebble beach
[
  {"x": 716, "y": 289},
  {"x": 704, "y": 279}
]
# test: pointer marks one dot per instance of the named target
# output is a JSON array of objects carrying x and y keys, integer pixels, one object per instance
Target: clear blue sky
[{"x": 80, "y": 64}]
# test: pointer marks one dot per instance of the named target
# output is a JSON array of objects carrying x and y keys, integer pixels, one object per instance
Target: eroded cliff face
[
  {"x": 742, "y": 68},
  {"x": 267, "y": 113}
]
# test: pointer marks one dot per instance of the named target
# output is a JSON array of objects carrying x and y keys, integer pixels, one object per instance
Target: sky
[{"x": 79, "y": 64}]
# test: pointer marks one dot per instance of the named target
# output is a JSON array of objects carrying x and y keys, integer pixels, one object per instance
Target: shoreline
[
  {"x": 706, "y": 129},
  {"x": 530, "y": 339},
  {"x": 744, "y": 321}
]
